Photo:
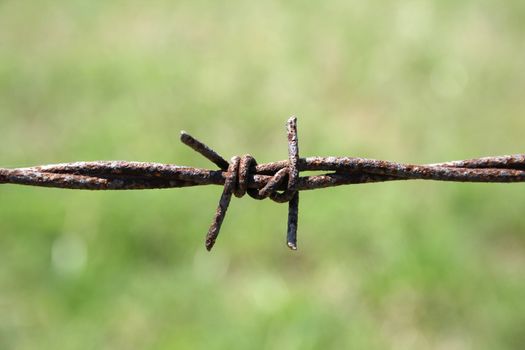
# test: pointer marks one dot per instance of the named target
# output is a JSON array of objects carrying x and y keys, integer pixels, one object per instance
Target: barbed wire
[{"x": 280, "y": 181}]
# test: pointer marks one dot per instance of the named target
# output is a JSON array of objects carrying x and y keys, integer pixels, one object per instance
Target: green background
[{"x": 415, "y": 265}]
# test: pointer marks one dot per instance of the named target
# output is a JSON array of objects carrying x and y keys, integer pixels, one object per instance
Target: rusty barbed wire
[{"x": 280, "y": 181}]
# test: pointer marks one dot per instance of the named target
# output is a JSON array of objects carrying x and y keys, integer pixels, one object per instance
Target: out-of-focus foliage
[{"x": 414, "y": 265}]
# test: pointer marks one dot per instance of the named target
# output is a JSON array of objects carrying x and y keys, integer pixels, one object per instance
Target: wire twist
[
  {"x": 240, "y": 169},
  {"x": 280, "y": 181}
]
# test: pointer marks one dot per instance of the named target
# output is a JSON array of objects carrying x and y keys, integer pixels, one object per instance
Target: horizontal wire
[{"x": 118, "y": 175}]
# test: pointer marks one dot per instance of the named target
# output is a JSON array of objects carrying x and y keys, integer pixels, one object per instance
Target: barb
[{"x": 280, "y": 181}]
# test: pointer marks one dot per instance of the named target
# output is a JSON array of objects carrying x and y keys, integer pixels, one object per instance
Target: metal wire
[{"x": 280, "y": 181}]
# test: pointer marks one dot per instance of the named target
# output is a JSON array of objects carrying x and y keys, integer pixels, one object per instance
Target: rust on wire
[{"x": 280, "y": 181}]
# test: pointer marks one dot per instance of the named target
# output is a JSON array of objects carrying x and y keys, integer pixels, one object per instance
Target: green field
[{"x": 401, "y": 265}]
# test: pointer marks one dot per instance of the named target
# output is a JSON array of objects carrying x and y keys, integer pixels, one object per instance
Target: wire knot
[
  {"x": 238, "y": 173},
  {"x": 241, "y": 169}
]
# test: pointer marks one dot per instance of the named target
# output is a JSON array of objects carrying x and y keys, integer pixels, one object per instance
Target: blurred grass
[{"x": 397, "y": 266}]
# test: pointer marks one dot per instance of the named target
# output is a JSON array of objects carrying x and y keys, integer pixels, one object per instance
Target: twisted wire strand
[{"x": 280, "y": 181}]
